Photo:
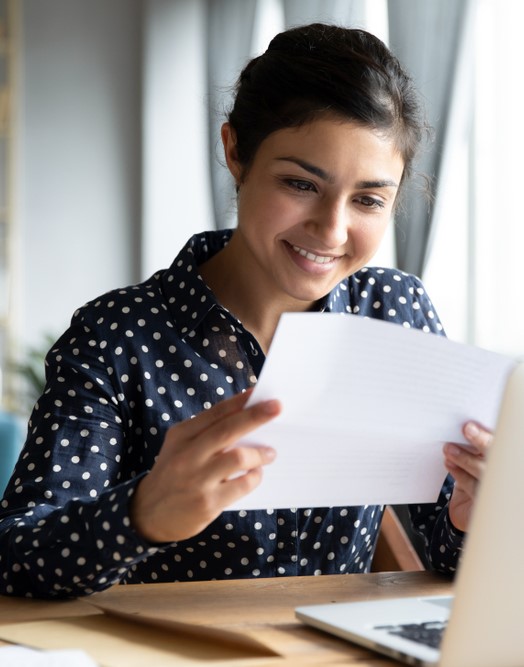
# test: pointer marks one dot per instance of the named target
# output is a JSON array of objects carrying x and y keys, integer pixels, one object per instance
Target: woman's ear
[{"x": 229, "y": 140}]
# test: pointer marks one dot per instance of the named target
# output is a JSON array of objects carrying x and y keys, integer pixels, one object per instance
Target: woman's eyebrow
[
  {"x": 326, "y": 176},
  {"x": 384, "y": 183},
  {"x": 313, "y": 169}
]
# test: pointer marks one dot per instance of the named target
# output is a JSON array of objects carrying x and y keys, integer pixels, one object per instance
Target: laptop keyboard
[{"x": 429, "y": 633}]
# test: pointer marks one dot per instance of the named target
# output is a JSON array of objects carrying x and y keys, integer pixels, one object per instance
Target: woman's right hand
[{"x": 199, "y": 471}]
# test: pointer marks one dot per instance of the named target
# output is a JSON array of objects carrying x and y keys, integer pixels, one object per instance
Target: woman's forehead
[{"x": 329, "y": 138}]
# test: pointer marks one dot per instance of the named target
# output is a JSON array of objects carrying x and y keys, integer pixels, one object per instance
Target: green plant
[{"x": 32, "y": 370}]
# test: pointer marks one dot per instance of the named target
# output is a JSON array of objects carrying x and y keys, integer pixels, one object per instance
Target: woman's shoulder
[
  {"x": 385, "y": 283},
  {"x": 384, "y": 277},
  {"x": 121, "y": 302},
  {"x": 161, "y": 285},
  {"x": 392, "y": 295}
]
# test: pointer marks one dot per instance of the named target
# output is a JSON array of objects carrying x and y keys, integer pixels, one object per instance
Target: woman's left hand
[{"x": 466, "y": 464}]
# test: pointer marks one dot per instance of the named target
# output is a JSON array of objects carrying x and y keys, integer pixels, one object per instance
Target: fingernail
[
  {"x": 471, "y": 430},
  {"x": 269, "y": 453},
  {"x": 271, "y": 407},
  {"x": 452, "y": 450}
]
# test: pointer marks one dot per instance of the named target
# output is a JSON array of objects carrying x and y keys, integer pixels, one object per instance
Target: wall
[{"x": 78, "y": 180}]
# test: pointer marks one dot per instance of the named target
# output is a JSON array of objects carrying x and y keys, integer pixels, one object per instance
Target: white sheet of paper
[
  {"x": 367, "y": 406},
  {"x": 20, "y": 656}
]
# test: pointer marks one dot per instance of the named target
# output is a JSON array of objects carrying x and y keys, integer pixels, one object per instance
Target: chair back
[{"x": 395, "y": 551}]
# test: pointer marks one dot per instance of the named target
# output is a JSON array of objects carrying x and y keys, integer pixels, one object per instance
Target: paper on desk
[
  {"x": 20, "y": 656},
  {"x": 367, "y": 406}
]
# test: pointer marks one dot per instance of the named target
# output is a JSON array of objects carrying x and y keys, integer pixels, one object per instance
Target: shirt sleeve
[
  {"x": 442, "y": 540},
  {"x": 64, "y": 524}
]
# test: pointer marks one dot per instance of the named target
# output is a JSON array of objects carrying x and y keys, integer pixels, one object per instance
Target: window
[{"x": 474, "y": 273}]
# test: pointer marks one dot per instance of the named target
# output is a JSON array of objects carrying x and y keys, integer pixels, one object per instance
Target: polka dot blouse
[{"x": 134, "y": 362}]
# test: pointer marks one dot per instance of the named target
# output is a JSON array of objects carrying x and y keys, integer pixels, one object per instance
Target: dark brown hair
[{"x": 318, "y": 69}]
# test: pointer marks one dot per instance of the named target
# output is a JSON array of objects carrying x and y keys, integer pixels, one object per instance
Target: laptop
[{"x": 482, "y": 623}]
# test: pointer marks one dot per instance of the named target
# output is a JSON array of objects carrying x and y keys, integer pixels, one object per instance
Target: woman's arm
[{"x": 82, "y": 507}]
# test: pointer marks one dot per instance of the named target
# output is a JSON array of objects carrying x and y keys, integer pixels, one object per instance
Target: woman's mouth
[{"x": 312, "y": 257}]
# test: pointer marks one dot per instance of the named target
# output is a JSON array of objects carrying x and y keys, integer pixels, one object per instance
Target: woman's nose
[{"x": 330, "y": 225}]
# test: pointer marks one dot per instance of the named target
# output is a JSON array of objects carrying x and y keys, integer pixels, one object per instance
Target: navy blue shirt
[{"x": 133, "y": 363}]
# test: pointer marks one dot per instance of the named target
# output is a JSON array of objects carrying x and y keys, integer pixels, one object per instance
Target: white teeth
[{"x": 318, "y": 259}]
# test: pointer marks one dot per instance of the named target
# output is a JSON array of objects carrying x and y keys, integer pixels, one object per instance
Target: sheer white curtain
[
  {"x": 474, "y": 273},
  {"x": 431, "y": 40},
  {"x": 498, "y": 315}
]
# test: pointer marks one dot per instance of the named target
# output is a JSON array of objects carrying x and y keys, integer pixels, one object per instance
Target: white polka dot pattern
[{"x": 134, "y": 362}]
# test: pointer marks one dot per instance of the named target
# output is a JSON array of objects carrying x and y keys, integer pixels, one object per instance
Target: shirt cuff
[{"x": 119, "y": 544}]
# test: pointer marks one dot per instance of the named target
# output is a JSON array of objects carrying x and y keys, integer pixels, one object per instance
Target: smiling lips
[{"x": 318, "y": 259}]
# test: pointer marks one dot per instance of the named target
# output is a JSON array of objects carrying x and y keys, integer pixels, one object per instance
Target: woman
[{"x": 129, "y": 465}]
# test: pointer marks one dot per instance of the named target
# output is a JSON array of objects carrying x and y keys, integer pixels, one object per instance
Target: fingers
[
  {"x": 223, "y": 425},
  {"x": 214, "y": 431},
  {"x": 457, "y": 458},
  {"x": 464, "y": 481},
  {"x": 241, "y": 485},
  {"x": 230, "y": 430},
  {"x": 467, "y": 462},
  {"x": 199, "y": 471},
  {"x": 204, "y": 449},
  {"x": 239, "y": 460},
  {"x": 478, "y": 437},
  {"x": 470, "y": 457},
  {"x": 192, "y": 427}
]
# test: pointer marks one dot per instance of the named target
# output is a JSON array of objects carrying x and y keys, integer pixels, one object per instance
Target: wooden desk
[{"x": 258, "y": 609}]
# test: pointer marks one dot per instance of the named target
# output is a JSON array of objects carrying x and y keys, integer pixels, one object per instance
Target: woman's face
[{"x": 314, "y": 205}]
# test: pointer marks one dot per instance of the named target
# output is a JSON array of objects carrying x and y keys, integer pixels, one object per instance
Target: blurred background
[{"x": 110, "y": 158}]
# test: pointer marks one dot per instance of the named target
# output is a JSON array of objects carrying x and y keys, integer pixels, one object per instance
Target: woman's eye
[
  {"x": 371, "y": 202},
  {"x": 302, "y": 186}
]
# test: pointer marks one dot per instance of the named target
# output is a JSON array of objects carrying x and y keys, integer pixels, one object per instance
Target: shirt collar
[
  {"x": 189, "y": 298},
  {"x": 337, "y": 301}
]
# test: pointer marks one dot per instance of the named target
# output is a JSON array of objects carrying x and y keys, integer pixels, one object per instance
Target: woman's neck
[{"x": 231, "y": 278}]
